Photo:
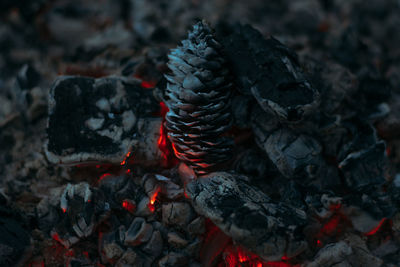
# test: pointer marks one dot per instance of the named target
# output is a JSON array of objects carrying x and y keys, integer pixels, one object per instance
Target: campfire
[{"x": 231, "y": 148}]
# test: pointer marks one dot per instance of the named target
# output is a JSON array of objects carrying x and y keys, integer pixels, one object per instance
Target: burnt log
[
  {"x": 101, "y": 120},
  {"x": 268, "y": 70},
  {"x": 251, "y": 218}
]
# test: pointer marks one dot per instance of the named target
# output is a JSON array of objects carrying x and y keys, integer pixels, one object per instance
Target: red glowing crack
[
  {"x": 129, "y": 206},
  {"x": 153, "y": 199},
  {"x": 218, "y": 245},
  {"x": 167, "y": 149},
  {"x": 126, "y": 158},
  {"x": 377, "y": 228},
  {"x": 104, "y": 175}
]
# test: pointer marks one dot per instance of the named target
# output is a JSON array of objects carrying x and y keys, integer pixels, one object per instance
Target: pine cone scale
[{"x": 198, "y": 94}]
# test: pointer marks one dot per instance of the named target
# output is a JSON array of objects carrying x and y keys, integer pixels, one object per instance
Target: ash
[{"x": 89, "y": 177}]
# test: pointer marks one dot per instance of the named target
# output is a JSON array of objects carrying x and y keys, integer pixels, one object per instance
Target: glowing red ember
[
  {"x": 164, "y": 144},
  {"x": 377, "y": 228},
  {"x": 128, "y": 205},
  {"x": 126, "y": 158},
  {"x": 236, "y": 256},
  {"x": 148, "y": 84},
  {"x": 153, "y": 199},
  {"x": 104, "y": 175}
]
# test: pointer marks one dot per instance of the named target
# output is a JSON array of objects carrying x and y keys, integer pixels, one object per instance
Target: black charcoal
[
  {"x": 269, "y": 71},
  {"x": 101, "y": 120},
  {"x": 269, "y": 229}
]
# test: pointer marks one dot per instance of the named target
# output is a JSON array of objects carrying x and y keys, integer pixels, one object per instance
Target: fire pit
[{"x": 165, "y": 140}]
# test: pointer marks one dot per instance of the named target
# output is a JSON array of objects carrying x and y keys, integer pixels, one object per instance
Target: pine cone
[{"x": 199, "y": 101}]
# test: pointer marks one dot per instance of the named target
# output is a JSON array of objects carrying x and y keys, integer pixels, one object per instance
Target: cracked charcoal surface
[
  {"x": 198, "y": 94},
  {"x": 131, "y": 237},
  {"x": 96, "y": 119},
  {"x": 271, "y": 230},
  {"x": 269, "y": 71},
  {"x": 293, "y": 155}
]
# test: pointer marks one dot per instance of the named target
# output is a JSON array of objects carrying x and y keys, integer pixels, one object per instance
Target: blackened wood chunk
[
  {"x": 199, "y": 91},
  {"x": 268, "y": 70},
  {"x": 366, "y": 167},
  {"x": 81, "y": 210},
  {"x": 117, "y": 189},
  {"x": 97, "y": 119},
  {"x": 250, "y": 217},
  {"x": 362, "y": 159},
  {"x": 295, "y": 155}
]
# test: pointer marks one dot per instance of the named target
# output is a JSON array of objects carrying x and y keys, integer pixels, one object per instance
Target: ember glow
[
  {"x": 164, "y": 144},
  {"x": 332, "y": 227},
  {"x": 104, "y": 175},
  {"x": 232, "y": 255},
  {"x": 148, "y": 84},
  {"x": 126, "y": 158},
  {"x": 377, "y": 228},
  {"x": 236, "y": 256},
  {"x": 152, "y": 201},
  {"x": 129, "y": 206},
  {"x": 56, "y": 237}
]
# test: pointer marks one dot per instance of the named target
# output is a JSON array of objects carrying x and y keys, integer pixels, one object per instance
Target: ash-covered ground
[{"x": 350, "y": 49}]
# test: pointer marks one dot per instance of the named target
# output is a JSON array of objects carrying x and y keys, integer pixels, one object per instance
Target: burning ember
[
  {"x": 164, "y": 144},
  {"x": 129, "y": 206},
  {"x": 153, "y": 199},
  {"x": 236, "y": 256}
]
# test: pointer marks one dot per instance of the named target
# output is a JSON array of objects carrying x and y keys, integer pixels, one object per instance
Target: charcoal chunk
[
  {"x": 293, "y": 154},
  {"x": 362, "y": 159},
  {"x": 270, "y": 71},
  {"x": 110, "y": 247},
  {"x": 139, "y": 232},
  {"x": 177, "y": 213},
  {"x": 249, "y": 216},
  {"x": 100, "y": 120},
  {"x": 72, "y": 213},
  {"x": 364, "y": 168}
]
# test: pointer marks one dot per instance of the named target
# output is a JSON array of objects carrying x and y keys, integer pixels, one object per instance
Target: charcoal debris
[
  {"x": 102, "y": 121},
  {"x": 249, "y": 216},
  {"x": 293, "y": 154},
  {"x": 155, "y": 245},
  {"x": 350, "y": 252},
  {"x": 153, "y": 183},
  {"x": 177, "y": 213},
  {"x": 173, "y": 259},
  {"x": 138, "y": 232},
  {"x": 335, "y": 253},
  {"x": 75, "y": 215},
  {"x": 270, "y": 72},
  {"x": 140, "y": 236},
  {"x": 110, "y": 250}
]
